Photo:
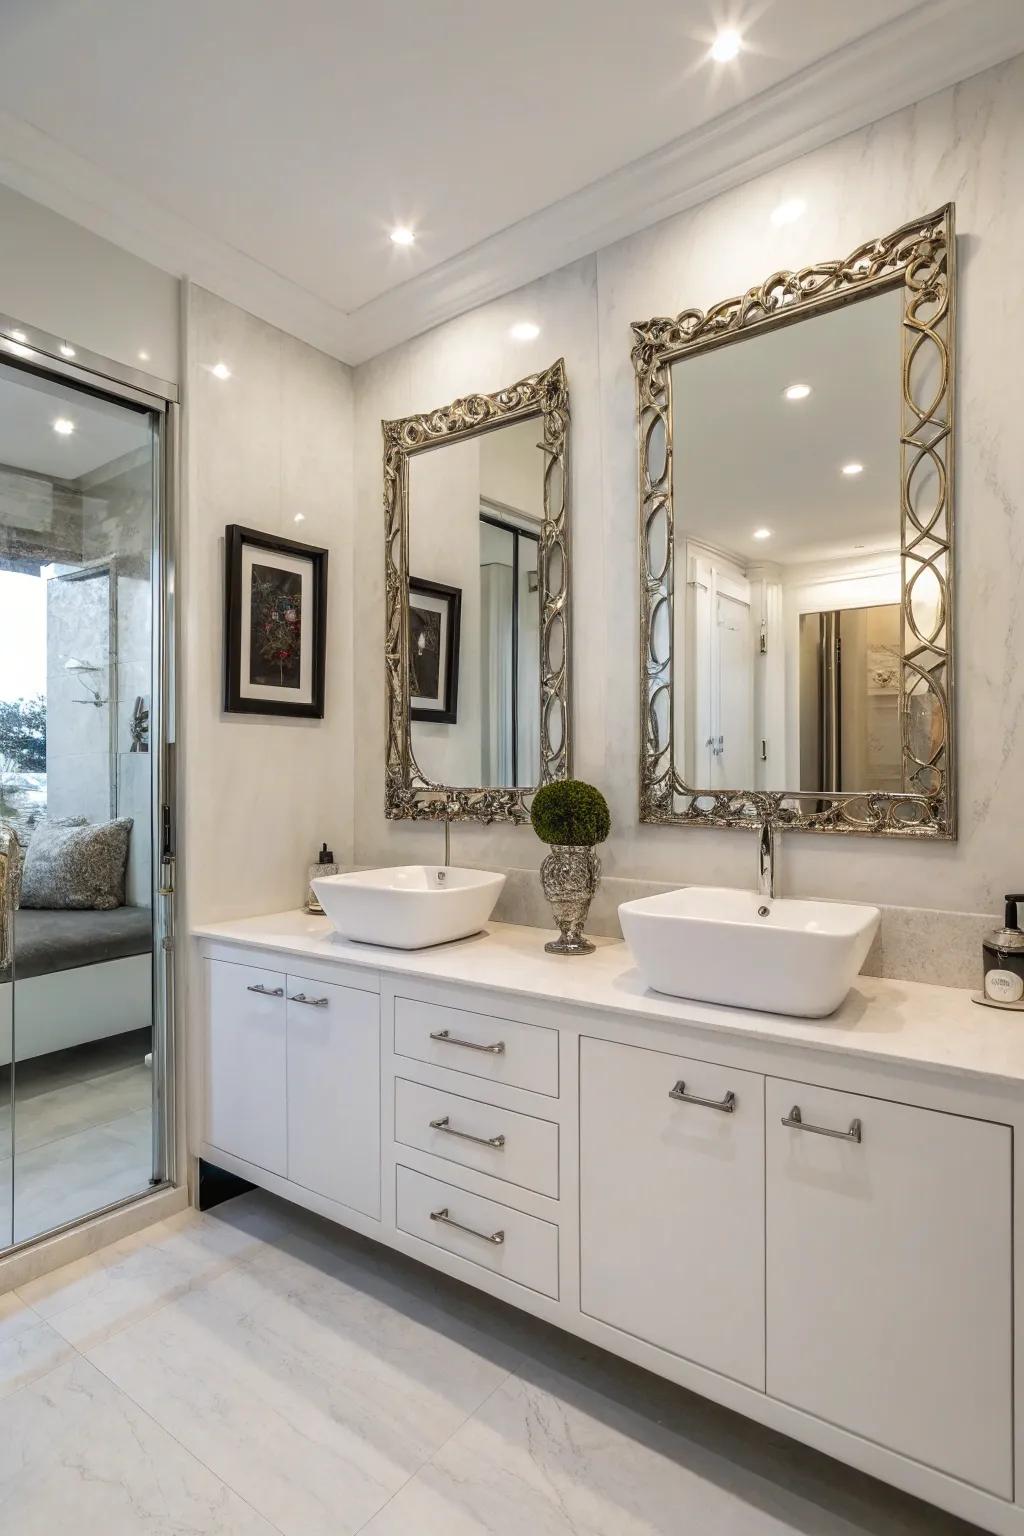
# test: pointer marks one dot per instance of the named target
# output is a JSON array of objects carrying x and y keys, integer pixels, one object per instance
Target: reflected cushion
[{"x": 76, "y": 867}]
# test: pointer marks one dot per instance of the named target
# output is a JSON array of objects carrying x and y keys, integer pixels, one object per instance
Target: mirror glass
[
  {"x": 787, "y": 625},
  {"x": 476, "y": 511}
]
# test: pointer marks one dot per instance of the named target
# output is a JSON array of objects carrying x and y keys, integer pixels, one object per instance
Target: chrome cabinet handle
[
  {"x": 449, "y": 1130},
  {"x": 796, "y": 1122},
  {"x": 726, "y": 1105},
  {"x": 497, "y": 1049},
  {"x": 497, "y": 1238},
  {"x": 310, "y": 1002},
  {"x": 266, "y": 991}
]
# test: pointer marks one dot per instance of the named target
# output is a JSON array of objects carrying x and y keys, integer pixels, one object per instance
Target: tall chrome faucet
[{"x": 766, "y": 861}]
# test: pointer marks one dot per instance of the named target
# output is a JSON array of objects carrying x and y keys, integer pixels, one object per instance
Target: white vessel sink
[
  {"x": 724, "y": 946},
  {"x": 409, "y": 907}
]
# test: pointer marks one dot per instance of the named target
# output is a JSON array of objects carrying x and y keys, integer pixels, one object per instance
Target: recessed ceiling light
[
  {"x": 300, "y": 517},
  {"x": 143, "y": 357},
  {"x": 797, "y": 391},
  {"x": 788, "y": 212},
  {"x": 221, "y": 371},
  {"x": 402, "y": 235},
  {"x": 762, "y": 533},
  {"x": 852, "y": 469},
  {"x": 63, "y": 426},
  {"x": 726, "y": 45},
  {"x": 67, "y": 351},
  {"x": 524, "y": 330},
  {"x": 19, "y": 336}
]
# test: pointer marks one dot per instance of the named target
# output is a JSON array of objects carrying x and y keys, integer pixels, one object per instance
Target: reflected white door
[{"x": 733, "y": 758}]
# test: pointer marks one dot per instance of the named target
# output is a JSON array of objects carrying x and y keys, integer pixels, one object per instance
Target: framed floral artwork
[{"x": 275, "y": 625}]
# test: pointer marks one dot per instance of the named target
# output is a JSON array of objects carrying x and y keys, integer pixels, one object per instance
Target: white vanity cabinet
[
  {"x": 293, "y": 1079},
  {"x": 889, "y": 1275},
  {"x": 672, "y": 1204}
]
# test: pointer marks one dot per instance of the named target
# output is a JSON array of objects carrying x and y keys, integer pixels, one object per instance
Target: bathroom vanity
[{"x": 813, "y": 1222}]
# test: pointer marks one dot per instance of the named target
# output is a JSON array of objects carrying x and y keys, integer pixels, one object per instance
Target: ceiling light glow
[
  {"x": 63, "y": 426},
  {"x": 853, "y": 469},
  {"x": 797, "y": 391},
  {"x": 762, "y": 533},
  {"x": 300, "y": 517},
  {"x": 402, "y": 235},
  {"x": 67, "y": 351},
  {"x": 788, "y": 212},
  {"x": 726, "y": 45},
  {"x": 221, "y": 371},
  {"x": 143, "y": 357},
  {"x": 524, "y": 330}
]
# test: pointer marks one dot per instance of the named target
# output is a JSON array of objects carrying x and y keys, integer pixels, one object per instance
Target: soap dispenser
[
  {"x": 1003, "y": 954},
  {"x": 324, "y": 865}
]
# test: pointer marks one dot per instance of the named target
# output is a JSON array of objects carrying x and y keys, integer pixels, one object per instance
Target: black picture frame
[
  {"x": 451, "y": 599},
  {"x": 238, "y": 593}
]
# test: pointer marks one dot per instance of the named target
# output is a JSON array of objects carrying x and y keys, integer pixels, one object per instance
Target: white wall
[
  {"x": 274, "y": 440},
  {"x": 966, "y": 144},
  {"x": 59, "y": 277}
]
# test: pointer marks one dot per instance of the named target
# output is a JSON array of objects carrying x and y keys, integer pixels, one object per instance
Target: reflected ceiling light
[
  {"x": 726, "y": 45},
  {"x": 797, "y": 391},
  {"x": 762, "y": 533},
  {"x": 63, "y": 427},
  {"x": 788, "y": 212},
  {"x": 19, "y": 336},
  {"x": 402, "y": 235},
  {"x": 524, "y": 330},
  {"x": 300, "y": 517},
  {"x": 221, "y": 371},
  {"x": 852, "y": 469},
  {"x": 67, "y": 351},
  {"x": 143, "y": 357}
]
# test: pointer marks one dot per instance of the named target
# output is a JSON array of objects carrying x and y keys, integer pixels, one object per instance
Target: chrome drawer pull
[
  {"x": 497, "y": 1238},
  {"x": 267, "y": 991},
  {"x": 497, "y": 1049},
  {"x": 726, "y": 1105},
  {"x": 449, "y": 1130},
  {"x": 796, "y": 1122},
  {"x": 310, "y": 1002}
]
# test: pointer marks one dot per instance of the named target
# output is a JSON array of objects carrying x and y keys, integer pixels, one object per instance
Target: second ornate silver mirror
[
  {"x": 796, "y": 548},
  {"x": 476, "y": 502}
]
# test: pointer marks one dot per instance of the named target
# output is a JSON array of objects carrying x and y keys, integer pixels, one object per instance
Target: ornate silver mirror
[
  {"x": 476, "y": 505},
  {"x": 796, "y": 548}
]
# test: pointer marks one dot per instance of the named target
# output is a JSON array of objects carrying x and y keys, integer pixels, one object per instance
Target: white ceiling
[
  {"x": 30, "y": 405},
  {"x": 745, "y": 457},
  {"x": 266, "y": 149}
]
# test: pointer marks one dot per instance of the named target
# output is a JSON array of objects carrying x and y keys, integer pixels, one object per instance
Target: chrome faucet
[{"x": 766, "y": 861}]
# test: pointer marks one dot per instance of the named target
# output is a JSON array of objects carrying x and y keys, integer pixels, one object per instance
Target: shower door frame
[{"x": 46, "y": 354}]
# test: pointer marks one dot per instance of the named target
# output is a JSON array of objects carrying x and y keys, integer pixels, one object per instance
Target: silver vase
[{"x": 570, "y": 877}]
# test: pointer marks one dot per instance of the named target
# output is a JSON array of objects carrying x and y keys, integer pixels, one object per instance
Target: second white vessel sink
[
  {"x": 411, "y": 906},
  {"x": 778, "y": 955}
]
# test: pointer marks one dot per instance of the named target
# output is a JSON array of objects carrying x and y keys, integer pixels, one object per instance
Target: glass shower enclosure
[{"x": 86, "y": 860}]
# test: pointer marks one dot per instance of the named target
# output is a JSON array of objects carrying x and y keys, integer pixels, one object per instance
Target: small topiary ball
[{"x": 572, "y": 813}]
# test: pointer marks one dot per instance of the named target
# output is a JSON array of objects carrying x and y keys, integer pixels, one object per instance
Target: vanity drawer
[
  {"x": 510, "y": 1243},
  {"x": 519, "y": 1149},
  {"x": 501, "y": 1050}
]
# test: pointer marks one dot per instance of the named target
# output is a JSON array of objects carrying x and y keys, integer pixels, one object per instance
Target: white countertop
[{"x": 889, "y": 1021}]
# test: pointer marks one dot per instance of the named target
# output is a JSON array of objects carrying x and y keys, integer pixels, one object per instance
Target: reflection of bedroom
[
  {"x": 76, "y": 514},
  {"x": 790, "y": 633}
]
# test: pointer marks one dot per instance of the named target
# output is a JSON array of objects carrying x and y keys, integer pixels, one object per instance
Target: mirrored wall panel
[
  {"x": 478, "y": 590},
  {"x": 796, "y": 548}
]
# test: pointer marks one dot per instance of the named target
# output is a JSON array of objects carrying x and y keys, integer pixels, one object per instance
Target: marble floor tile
[
  {"x": 314, "y": 1398},
  {"x": 598, "y": 1448},
  {"x": 29, "y": 1347},
  {"x": 77, "y": 1455},
  {"x": 125, "y": 1283}
]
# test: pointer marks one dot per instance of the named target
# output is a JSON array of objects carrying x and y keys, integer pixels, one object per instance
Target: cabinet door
[
  {"x": 334, "y": 1092},
  {"x": 889, "y": 1276},
  {"x": 672, "y": 1204},
  {"x": 245, "y": 1069}
]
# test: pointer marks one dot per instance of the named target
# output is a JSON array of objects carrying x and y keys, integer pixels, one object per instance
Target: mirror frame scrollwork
[
  {"x": 409, "y": 795},
  {"x": 919, "y": 258}
]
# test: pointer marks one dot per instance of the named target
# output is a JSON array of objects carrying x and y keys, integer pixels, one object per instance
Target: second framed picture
[
  {"x": 275, "y": 625},
  {"x": 435, "y": 613}
]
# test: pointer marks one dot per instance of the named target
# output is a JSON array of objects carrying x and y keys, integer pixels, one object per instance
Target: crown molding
[{"x": 932, "y": 47}]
